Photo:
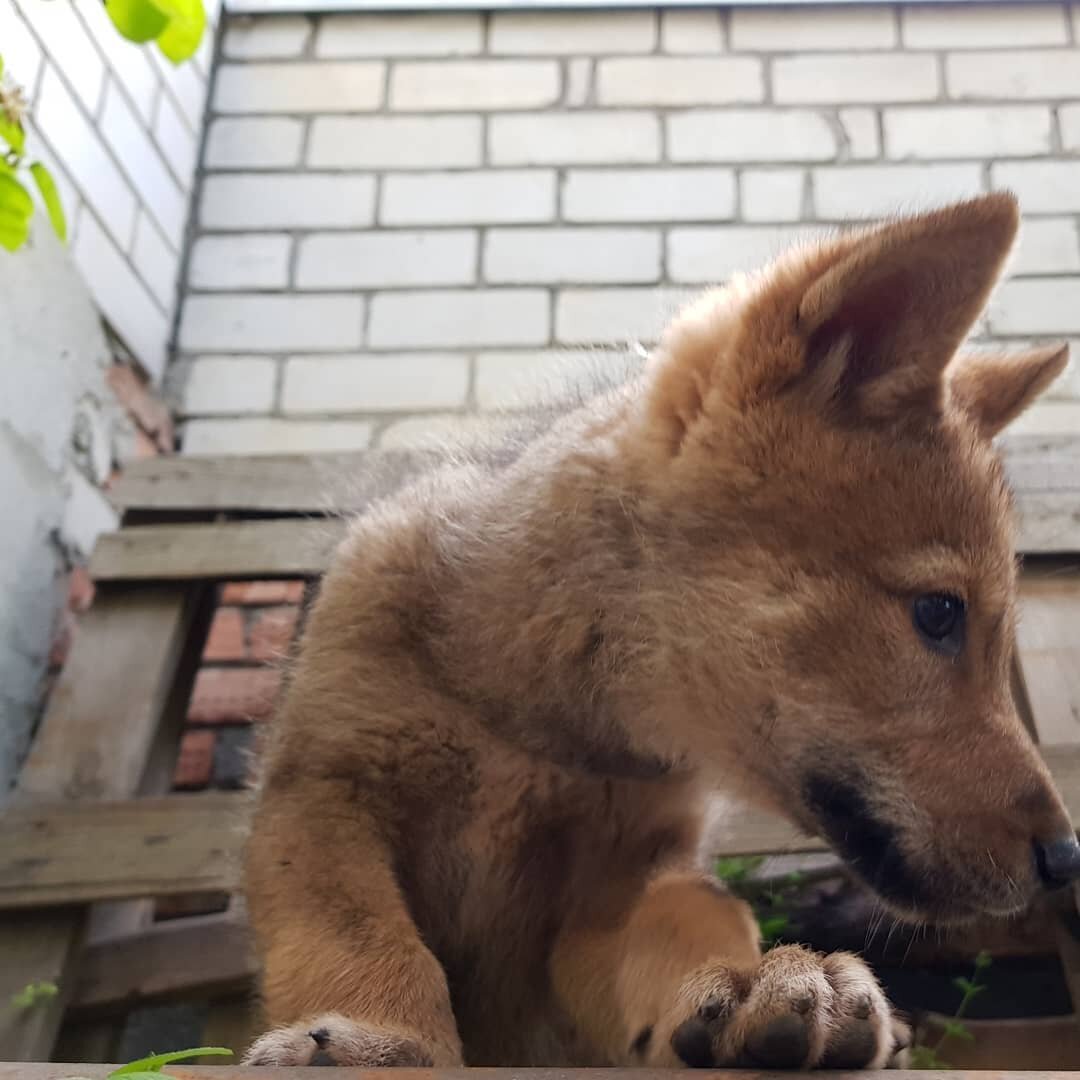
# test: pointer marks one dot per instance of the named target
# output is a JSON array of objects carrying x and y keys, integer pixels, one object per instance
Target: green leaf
[
  {"x": 983, "y": 960},
  {"x": 51, "y": 197},
  {"x": 154, "y": 1063},
  {"x": 737, "y": 868},
  {"x": 953, "y": 1029},
  {"x": 773, "y": 927},
  {"x": 964, "y": 985},
  {"x": 14, "y": 198},
  {"x": 187, "y": 22},
  {"x": 1, "y": 66},
  {"x": 12, "y": 134},
  {"x": 137, "y": 20},
  {"x": 926, "y": 1057}
]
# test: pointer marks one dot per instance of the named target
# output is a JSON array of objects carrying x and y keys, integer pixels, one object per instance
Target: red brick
[
  {"x": 145, "y": 446},
  {"x": 226, "y": 638},
  {"x": 80, "y": 590},
  {"x": 195, "y": 764},
  {"x": 62, "y": 638},
  {"x": 148, "y": 411},
  {"x": 272, "y": 632},
  {"x": 263, "y": 592},
  {"x": 233, "y": 695}
]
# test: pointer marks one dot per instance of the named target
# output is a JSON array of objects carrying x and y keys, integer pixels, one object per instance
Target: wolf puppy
[{"x": 780, "y": 563}]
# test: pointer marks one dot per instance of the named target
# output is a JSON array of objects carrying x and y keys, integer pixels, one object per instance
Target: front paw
[
  {"x": 796, "y": 1010},
  {"x": 337, "y": 1040}
]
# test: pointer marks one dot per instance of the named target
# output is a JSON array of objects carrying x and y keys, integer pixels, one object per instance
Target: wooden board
[
  {"x": 199, "y": 956},
  {"x": 276, "y": 484},
  {"x": 1048, "y": 643},
  {"x": 310, "y": 483},
  {"x": 233, "y": 551},
  {"x": 100, "y": 728},
  {"x": 63, "y": 854},
  {"x": 291, "y": 548}
]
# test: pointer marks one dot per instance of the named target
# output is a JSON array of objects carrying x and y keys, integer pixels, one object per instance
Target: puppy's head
[{"x": 840, "y": 531}]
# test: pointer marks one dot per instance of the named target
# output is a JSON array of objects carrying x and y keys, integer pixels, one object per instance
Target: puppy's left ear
[{"x": 995, "y": 389}]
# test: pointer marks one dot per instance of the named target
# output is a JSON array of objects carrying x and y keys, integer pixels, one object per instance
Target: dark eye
[{"x": 939, "y": 618}]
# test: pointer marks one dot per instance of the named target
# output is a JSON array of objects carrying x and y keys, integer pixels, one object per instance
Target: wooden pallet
[{"x": 90, "y": 833}]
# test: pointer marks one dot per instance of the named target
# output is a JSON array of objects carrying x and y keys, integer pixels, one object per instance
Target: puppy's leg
[
  {"x": 681, "y": 980},
  {"x": 345, "y": 973}
]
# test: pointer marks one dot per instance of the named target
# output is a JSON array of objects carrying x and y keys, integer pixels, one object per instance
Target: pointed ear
[
  {"x": 860, "y": 327},
  {"x": 880, "y": 325},
  {"x": 995, "y": 389}
]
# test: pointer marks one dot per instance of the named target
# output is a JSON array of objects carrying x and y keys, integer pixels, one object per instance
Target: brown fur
[{"x": 478, "y": 830}]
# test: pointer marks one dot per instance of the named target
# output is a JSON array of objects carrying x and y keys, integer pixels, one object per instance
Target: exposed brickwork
[
  {"x": 238, "y": 683},
  {"x": 405, "y": 215}
]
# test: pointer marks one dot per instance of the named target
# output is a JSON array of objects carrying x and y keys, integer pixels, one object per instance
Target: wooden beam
[
  {"x": 62, "y": 854},
  {"x": 238, "y": 550},
  {"x": 294, "y": 547},
  {"x": 104, "y": 718},
  {"x": 201, "y": 956},
  {"x": 312, "y": 483},
  {"x": 274, "y": 484}
]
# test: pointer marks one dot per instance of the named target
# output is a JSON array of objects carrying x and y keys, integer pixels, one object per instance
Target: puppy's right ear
[{"x": 859, "y": 329}]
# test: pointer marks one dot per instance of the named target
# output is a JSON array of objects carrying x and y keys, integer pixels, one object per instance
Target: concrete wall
[
  {"x": 120, "y": 129},
  {"x": 409, "y": 219},
  {"x": 58, "y": 432}
]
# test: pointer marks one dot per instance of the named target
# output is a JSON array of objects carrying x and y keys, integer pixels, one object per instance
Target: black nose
[{"x": 1058, "y": 861}]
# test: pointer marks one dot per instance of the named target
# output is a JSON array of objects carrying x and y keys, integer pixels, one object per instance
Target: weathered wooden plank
[
  {"x": 310, "y": 483},
  {"x": 234, "y": 551},
  {"x": 276, "y": 484},
  {"x": 63, "y": 854},
  {"x": 102, "y": 722},
  {"x": 294, "y": 547},
  {"x": 1048, "y": 643},
  {"x": 229, "y": 1072},
  {"x": 200, "y": 956}
]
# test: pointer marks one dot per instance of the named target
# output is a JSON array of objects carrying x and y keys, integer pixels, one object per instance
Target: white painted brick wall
[
  {"x": 576, "y": 138},
  {"x": 399, "y": 142},
  {"x": 372, "y": 383},
  {"x": 751, "y": 135},
  {"x": 934, "y": 132},
  {"x": 454, "y": 85},
  {"x": 592, "y": 32},
  {"x": 324, "y": 86},
  {"x": 287, "y": 200},
  {"x": 454, "y": 318},
  {"x": 827, "y": 29},
  {"x": 659, "y": 195},
  {"x": 468, "y": 198},
  {"x": 683, "y": 80},
  {"x": 1044, "y": 73},
  {"x": 409, "y": 219},
  {"x": 387, "y": 259},
  {"x": 229, "y": 386},
  {"x": 832, "y": 80},
  {"x": 458, "y": 34},
  {"x": 241, "y": 322},
  {"x": 574, "y": 255},
  {"x": 244, "y": 261},
  {"x": 691, "y": 31}
]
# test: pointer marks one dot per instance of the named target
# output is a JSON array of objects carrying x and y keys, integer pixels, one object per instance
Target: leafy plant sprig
[
  {"x": 16, "y": 204},
  {"x": 35, "y": 993},
  {"x": 177, "y": 26},
  {"x": 150, "y": 1068},
  {"x": 923, "y": 1056}
]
